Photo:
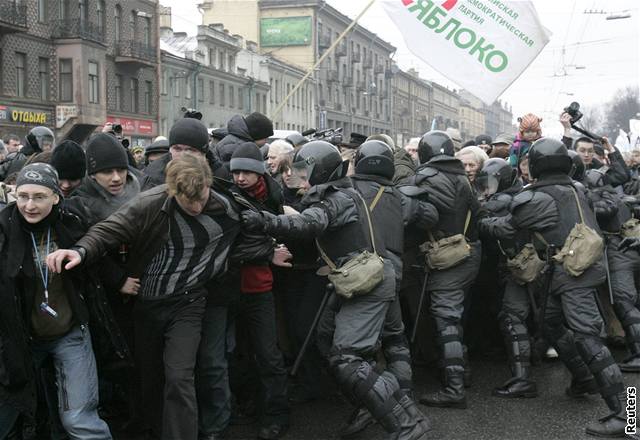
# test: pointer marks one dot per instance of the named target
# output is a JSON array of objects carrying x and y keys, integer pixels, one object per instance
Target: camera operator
[{"x": 616, "y": 171}]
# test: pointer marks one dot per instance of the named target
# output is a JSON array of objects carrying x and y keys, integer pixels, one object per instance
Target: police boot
[
  {"x": 613, "y": 425},
  {"x": 358, "y": 421},
  {"x": 582, "y": 381},
  {"x": 632, "y": 363},
  {"x": 410, "y": 423},
  {"x": 519, "y": 350},
  {"x": 468, "y": 374},
  {"x": 452, "y": 395}
]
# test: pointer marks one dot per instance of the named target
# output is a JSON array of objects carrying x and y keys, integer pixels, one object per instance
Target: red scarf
[{"x": 259, "y": 190}]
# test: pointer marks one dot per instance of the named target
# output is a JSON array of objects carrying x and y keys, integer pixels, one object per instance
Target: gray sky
[{"x": 609, "y": 51}]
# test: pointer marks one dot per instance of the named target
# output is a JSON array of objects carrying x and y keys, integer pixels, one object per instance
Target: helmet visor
[
  {"x": 300, "y": 173},
  {"x": 486, "y": 184},
  {"x": 45, "y": 142}
]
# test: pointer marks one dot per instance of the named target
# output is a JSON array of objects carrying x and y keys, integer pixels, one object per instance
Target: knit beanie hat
[
  {"x": 247, "y": 157},
  {"x": 260, "y": 127},
  {"x": 41, "y": 174},
  {"x": 190, "y": 132},
  {"x": 104, "y": 152},
  {"x": 69, "y": 160}
]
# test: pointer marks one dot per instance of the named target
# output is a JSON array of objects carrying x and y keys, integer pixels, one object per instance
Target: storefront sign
[
  {"x": 133, "y": 126},
  {"x": 64, "y": 113},
  {"x": 24, "y": 116}
]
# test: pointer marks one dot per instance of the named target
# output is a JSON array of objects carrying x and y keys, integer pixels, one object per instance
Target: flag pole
[{"x": 278, "y": 109}]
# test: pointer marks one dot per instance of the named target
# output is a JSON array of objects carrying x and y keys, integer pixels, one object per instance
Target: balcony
[
  {"x": 379, "y": 68},
  {"x": 136, "y": 53},
  {"x": 368, "y": 63},
  {"x": 341, "y": 50},
  {"x": 13, "y": 17},
  {"x": 324, "y": 41},
  {"x": 77, "y": 28},
  {"x": 332, "y": 76},
  {"x": 356, "y": 58},
  {"x": 361, "y": 85}
]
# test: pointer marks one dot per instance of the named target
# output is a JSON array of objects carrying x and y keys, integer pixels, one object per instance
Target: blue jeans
[{"x": 77, "y": 381}]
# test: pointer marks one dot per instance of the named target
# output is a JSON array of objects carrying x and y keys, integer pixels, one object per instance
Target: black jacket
[{"x": 238, "y": 134}]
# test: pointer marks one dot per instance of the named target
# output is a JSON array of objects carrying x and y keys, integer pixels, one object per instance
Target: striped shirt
[{"x": 187, "y": 260}]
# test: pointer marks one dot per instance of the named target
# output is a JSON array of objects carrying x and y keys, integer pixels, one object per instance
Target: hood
[{"x": 238, "y": 127}]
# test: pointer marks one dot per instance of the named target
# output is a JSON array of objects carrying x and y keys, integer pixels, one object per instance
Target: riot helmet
[
  {"x": 319, "y": 162},
  {"x": 434, "y": 143},
  {"x": 594, "y": 178},
  {"x": 296, "y": 139},
  {"x": 548, "y": 155},
  {"x": 375, "y": 158},
  {"x": 577, "y": 166},
  {"x": 40, "y": 139},
  {"x": 496, "y": 176}
]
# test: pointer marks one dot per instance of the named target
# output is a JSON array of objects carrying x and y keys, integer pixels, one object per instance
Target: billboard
[{"x": 285, "y": 31}]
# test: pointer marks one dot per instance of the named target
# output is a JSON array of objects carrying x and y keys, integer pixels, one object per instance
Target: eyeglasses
[{"x": 38, "y": 199}]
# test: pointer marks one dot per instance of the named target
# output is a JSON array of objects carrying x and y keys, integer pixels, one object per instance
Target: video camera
[
  {"x": 331, "y": 135},
  {"x": 574, "y": 111},
  {"x": 191, "y": 113}
]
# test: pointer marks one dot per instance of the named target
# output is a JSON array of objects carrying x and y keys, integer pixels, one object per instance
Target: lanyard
[{"x": 44, "y": 273}]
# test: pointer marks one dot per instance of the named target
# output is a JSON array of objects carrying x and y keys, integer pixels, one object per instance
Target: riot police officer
[
  {"x": 443, "y": 179},
  {"x": 498, "y": 183},
  {"x": 39, "y": 139},
  {"x": 335, "y": 214},
  {"x": 616, "y": 219},
  {"x": 550, "y": 208}
]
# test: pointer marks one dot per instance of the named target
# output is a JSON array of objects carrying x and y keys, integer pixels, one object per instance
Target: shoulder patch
[{"x": 427, "y": 172}]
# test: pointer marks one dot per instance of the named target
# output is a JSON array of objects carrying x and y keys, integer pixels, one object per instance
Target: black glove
[
  {"x": 253, "y": 221},
  {"x": 629, "y": 244}
]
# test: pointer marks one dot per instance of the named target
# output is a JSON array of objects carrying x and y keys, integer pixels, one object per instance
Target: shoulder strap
[
  {"x": 326, "y": 258},
  {"x": 376, "y": 199},
  {"x": 575, "y": 194}
]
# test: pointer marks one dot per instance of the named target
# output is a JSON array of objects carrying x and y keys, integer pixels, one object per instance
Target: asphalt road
[{"x": 552, "y": 415}]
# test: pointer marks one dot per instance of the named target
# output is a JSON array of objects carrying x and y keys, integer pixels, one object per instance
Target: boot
[
  {"x": 410, "y": 423},
  {"x": 358, "y": 421},
  {"x": 613, "y": 425},
  {"x": 519, "y": 351},
  {"x": 452, "y": 395},
  {"x": 468, "y": 375},
  {"x": 632, "y": 363},
  {"x": 517, "y": 387},
  {"x": 581, "y": 387}
]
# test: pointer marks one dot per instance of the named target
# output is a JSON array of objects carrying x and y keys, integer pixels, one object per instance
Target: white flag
[{"x": 482, "y": 45}]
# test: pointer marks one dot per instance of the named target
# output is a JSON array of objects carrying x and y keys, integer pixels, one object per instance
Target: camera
[
  {"x": 191, "y": 113},
  {"x": 117, "y": 128},
  {"x": 574, "y": 111},
  {"x": 331, "y": 135}
]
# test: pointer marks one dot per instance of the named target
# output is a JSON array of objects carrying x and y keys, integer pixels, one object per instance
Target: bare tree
[{"x": 624, "y": 106}]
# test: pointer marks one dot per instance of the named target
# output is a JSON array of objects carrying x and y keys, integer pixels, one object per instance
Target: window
[
  {"x": 42, "y": 11},
  {"x": 94, "y": 86},
  {"x": 43, "y": 75},
  {"x": 288, "y": 91},
  {"x": 21, "y": 78},
  {"x": 221, "y": 94},
  {"x": 232, "y": 62},
  {"x": 84, "y": 13},
  {"x": 232, "y": 102},
  {"x": 100, "y": 16},
  {"x": 212, "y": 92},
  {"x": 133, "y": 89},
  {"x": 187, "y": 87},
  {"x": 118, "y": 92},
  {"x": 174, "y": 84},
  {"x": 146, "y": 31},
  {"x": 163, "y": 84},
  {"x": 200, "y": 89},
  {"x": 264, "y": 103},
  {"x": 212, "y": 57},
  {"x": 65, "y": 9},
  {"x": 221, "y": 58},
  {"x": 66, "y": 80},
  {"x": 132, "y": 24},
  {"x": 117, "y": 25},
  {"x": 240, "y": 98},
  {"x": 148, "y": 94}
]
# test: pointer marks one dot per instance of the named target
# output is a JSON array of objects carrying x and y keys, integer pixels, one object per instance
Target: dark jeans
[
  {"x": 167, "y": 339},
  {"x": 257, "y": 313}
]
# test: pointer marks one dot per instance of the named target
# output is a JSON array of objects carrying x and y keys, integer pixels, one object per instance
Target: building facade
[
  {"x": 445, "y": 107},
  {"x": 412, "y": 99},
  {"x": 351, "y": 88},
  {"x": 471, "y": 120},
  {"x": 73, "y": 65}
]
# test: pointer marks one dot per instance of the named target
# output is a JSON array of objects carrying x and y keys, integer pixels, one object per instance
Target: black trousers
[{"x": 167, "y": 338}]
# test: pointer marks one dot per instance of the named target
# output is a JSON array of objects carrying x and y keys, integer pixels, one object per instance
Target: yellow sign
[{"x": 29, "y": 117}]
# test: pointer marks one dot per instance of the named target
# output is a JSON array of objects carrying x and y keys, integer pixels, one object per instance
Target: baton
[
  {"x": 420, "y": 303},
  {"x": 606, "y": 268},
  {"x": 312, "y": 329}
]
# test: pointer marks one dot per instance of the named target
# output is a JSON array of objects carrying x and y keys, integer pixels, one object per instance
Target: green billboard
[{"x": 285, "y": 31}]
